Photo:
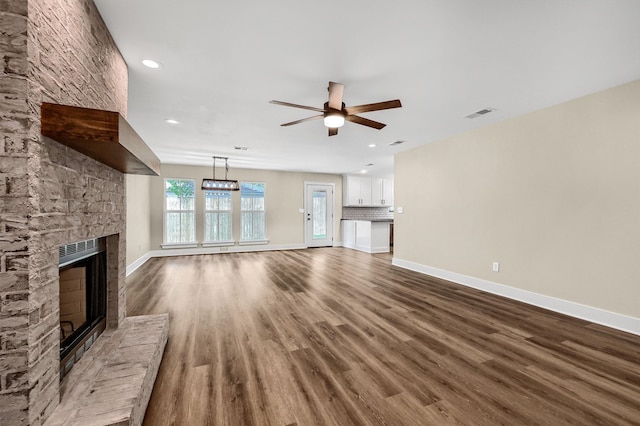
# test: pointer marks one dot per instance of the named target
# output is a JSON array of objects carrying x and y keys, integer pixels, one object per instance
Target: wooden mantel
[{"x": 102, "y": 135}]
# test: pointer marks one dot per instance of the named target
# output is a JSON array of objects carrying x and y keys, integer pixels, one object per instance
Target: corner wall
[
  {"x": 138, "y": 217},
  {"x": 554, "y": 196}
]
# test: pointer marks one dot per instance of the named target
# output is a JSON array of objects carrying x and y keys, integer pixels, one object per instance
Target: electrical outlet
[
  {"x": 399, "y": 210},
  {"x": 496, "y": 266}
]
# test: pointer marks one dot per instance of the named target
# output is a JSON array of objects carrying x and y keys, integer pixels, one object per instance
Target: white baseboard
[
  {"x": 367, "y": 249},
  {"x": 380, "y": 249},
  {"x": 138, "y": 263},
  {"x": 588, "y": 313},
  {"x": 208, "y": 250},
  {"x": 227, "y": 249}
]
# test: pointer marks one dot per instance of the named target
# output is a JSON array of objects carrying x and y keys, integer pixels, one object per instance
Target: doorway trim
[{"x": 307, "y": 208}]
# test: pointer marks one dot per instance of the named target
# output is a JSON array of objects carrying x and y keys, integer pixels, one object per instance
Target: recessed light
[
  {"x": 171, "y": 121},
  {"x": 372, "y": 145},
  {"x": 363, "y": 171},
  {"x": 151, "y": 64}
]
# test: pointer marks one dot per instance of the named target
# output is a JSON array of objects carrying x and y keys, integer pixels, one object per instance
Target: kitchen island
[{"x": 371, "y": 236}]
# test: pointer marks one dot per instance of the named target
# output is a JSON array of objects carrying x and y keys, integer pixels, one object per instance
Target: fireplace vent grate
[{"x": 73, "y": 252}]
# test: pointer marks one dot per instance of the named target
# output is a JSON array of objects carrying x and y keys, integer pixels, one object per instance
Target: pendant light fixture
[{"x": 220, "y": 184}]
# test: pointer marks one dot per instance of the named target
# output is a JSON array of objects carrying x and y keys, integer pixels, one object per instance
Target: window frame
[
  {"x": 184, "y": 244},
  {"x": 217, "y": 243},
  {"x": 263, "y": 211}
]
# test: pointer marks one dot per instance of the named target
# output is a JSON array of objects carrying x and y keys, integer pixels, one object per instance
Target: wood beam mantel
[{"x": 102, "y": 135}]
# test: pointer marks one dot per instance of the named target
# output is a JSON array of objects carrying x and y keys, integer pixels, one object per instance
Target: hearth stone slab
[{"x": 112, "y": 383}]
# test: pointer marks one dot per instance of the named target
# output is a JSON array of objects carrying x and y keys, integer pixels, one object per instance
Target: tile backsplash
[{"x": 367, "y": 213}]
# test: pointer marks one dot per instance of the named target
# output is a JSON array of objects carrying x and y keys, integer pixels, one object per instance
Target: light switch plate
[
  {"x": 300, "y": 210},
  {"x": 399, "y": 210}
]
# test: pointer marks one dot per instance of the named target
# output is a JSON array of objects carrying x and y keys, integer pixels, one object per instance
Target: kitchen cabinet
[
  {"x": 365, "y": 191},
  {"x": 348, "y": 233},
  {"x": 381, "y": 192},
  {"x": 367, "y": 236},
  {"x": 357, "y": 190}
]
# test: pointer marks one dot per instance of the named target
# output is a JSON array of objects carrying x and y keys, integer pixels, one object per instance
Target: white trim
[
  {"x": 307, "y": 237},
  {"x": 208, "y": 250},
  {"x": 138, "y": 263},
  {"x": 366, "y": 249},
  {"x": 252, "y": 242},
  {"x": 380, "y": 249},
  {"x": 230, "y": 249},
  {"x": 178, "y": 245},
  {"x": 218, "y": 243},
  {"x": 588, "y": 313},
  {"x": 204, "y": 219},
  {"x": 164, "y": 207},
  {"x": 263, "y": 211}
]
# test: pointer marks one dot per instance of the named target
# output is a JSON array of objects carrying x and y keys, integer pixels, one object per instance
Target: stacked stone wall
[
  {"x": 15, "y": 210},
  {"x": 55, "y": 51}
]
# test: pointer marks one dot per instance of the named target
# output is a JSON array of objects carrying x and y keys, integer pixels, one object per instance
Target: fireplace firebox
[{"x": 83, "y": 298}]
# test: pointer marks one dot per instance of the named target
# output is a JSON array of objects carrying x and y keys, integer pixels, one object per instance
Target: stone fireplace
[{"x": 55, "y": 51}]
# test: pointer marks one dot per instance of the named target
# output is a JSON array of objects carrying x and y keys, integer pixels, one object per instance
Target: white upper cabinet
[
  {"x": 356, "y": 190},
  {"x": 387, "y": 192},
  {"x": 376, "y": 191},
  {"x": 365, "y": 191}
]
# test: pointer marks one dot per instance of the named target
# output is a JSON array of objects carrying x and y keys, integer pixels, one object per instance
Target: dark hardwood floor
[{"x": 333, "y": 336}]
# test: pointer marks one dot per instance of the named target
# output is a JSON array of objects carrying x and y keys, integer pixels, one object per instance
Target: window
[
  {"x": 252, "y": 215},
  {"x": 179, "y": 211},
  {"x": 217, "y": 216},
  {"x": 319, "y": 215}
]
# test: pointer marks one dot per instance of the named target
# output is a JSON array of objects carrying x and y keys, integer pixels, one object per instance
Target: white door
[{"x": 318, "y": 214}]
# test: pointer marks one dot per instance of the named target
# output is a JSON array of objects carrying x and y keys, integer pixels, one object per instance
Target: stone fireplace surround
[{"x": 55, "y": 51}]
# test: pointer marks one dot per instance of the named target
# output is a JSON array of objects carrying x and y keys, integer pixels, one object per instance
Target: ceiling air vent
[
  {"x": 241, "y": 148},
  {"x": 479, "y": 113},
  {"x": 396, "y": 143}
]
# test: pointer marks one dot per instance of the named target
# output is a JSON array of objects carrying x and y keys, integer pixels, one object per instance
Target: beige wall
[
  {"x": 138, "y": 216},
  {"x": 284, "y": 196},
  {"x": 554, "y": 196}
]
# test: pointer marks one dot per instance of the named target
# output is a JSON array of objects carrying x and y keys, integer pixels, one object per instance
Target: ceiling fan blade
[
  {"x": 333, "y": 131},
  {"x": 315, "y": 117},
  {"x": 373, "y": 107},
  {"x": 296, "y": 106},
  {"x": 364, "y": 121},
  {"x": 336, "y": 91}
]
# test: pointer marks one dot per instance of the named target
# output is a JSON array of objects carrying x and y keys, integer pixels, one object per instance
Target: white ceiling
[{"x": 222, "y": 61}]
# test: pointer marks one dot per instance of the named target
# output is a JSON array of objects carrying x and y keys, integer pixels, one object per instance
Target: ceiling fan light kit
[
  {"x": 220, "y": 184},
  {"x": 335, "y": 113},
  {"x": 334, "y": 120}
]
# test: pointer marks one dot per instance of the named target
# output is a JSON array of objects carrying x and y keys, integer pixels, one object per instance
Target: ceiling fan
[{"x": 335, "y": 113}]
